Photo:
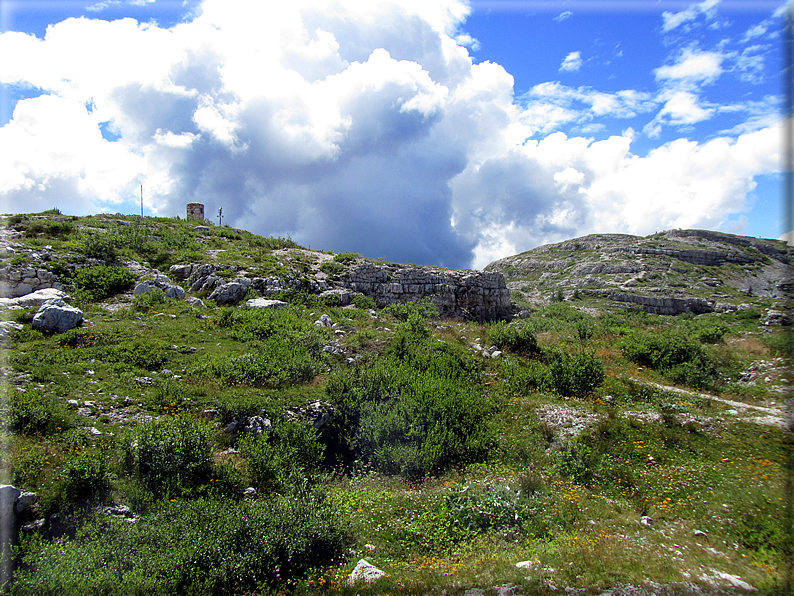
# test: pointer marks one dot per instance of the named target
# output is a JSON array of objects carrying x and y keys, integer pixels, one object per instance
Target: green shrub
[
  {"x": 413, "y": 411},
  {"x": 674, "y": 353},
  {"x": 98, "y": 283},
  {"x": 173, "y": 454},
  {"x": 85, "y": 473},
  {"x": 148, "y": 301},
  {"x": 35, "y": 414},
  {"x": 577, "y": 461},
  {"x": 576, "y": 375},
  {"x": 515, "y": 336},
  {"x": 711, "y": 334},
  {"x": 518, "y": 377},
  {"x": 402, "y": 310},
  {"x": 148, "y": 354},
  {"x": 261, "y": 324},
  {"x": 201, "y": 547},
  {"x": 278, "y": 361},
  {"x": 346, "y": 257},
  {"x": 364, "y": 302},
  {"x": 281, "y": 455},
  {"x": 332, "y": 268},
  {"x": 100, "y": 245}
]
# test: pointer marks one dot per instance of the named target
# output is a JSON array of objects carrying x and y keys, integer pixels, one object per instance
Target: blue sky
[{"x": 428, "y": 131}]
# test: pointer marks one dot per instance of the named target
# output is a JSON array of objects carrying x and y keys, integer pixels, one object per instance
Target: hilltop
[
  {"x": 235, "y": 414},
  {"x": 667, "y": 273}
]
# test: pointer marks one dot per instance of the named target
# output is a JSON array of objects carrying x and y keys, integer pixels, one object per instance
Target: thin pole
[{"x": 141, "y": 200}]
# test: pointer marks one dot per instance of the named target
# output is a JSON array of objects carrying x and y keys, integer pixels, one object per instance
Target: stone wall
[
  {"x": 16, "y": 282},
  {"x": 664, "y": 305},
  {"x": 476, "y": 295}
]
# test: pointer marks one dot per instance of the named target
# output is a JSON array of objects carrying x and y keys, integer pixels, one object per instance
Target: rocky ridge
[{"x": 667, "y": 273}]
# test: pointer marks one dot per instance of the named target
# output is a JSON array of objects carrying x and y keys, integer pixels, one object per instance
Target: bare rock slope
[{"x": 667, "y": 273}]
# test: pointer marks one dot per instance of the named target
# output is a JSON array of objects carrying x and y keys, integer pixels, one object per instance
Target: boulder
[
  {"x": 56, "y": 315},
  {"x": 265, "y": 303},
  {"x": 364, "y": 571},
  {"x": 232, "y": 292},
  {"x": 193, "y": 301},
  {"x": 323, "y": 321},
  {"x": 162, "y": 282}
]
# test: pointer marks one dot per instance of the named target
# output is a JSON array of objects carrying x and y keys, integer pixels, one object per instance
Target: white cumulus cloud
[
  {"x": 355, "y": 125},
  {"x": 572, "y": 62}
]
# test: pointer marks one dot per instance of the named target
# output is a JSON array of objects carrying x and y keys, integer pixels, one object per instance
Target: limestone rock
[
  {"x": 323, "y": 321},
  {"x": 265, "y": 303},
  {"x": 170, "y": 289},
  {"x": 193, "y": 301},
  {"x": 231, "y": 293},
  {"x": 36, "y": 298},
  {"x": 55, "y": 315},
  {"x": 365, "y": 572}
]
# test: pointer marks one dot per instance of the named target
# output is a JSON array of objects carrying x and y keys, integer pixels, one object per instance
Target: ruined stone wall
[
  {"x": 477, "y": 295},
  {"x": 16, "y": 282}
]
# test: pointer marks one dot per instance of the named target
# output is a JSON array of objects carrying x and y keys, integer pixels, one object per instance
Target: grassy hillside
[{"x": 239, "y": 451}]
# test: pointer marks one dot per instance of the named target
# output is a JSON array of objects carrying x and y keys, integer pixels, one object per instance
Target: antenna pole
[{"x": 141, "y": 200}]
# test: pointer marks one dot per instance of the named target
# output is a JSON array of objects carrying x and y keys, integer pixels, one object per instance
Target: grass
[{"x": 537, "y": 475}]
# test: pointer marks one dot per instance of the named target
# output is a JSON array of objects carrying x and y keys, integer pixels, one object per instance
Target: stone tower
[{"x": 195, "y": 211}]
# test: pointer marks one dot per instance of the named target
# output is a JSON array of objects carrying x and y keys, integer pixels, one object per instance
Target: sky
[{"x": 437, "y": 132}]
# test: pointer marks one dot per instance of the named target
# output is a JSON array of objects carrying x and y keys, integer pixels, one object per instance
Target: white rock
[
  {"x": 265, "y": 303},
  {"x": 525, "y": 565},
  {"x": 56, "y": 315},
  {"x": 365, "y": 572}
]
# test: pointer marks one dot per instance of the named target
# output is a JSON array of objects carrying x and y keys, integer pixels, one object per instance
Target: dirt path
[{"x": 773, "y": 416}]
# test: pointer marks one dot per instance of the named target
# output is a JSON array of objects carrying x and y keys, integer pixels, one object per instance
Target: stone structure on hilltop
[{"x": 195, "y": 212}]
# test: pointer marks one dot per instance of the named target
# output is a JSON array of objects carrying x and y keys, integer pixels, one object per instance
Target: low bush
[
  {"x": 85, "y": 473},
  {"x": 278, "y": 459},
  {"x": 261, "y": 324},
  {"x": 35, "y": 414},
  {"x": 148, "y": 301},
  {"x": 148, "y": 354},
  {"x": 98, "y": 283},
  {"x": 200, "y": 547},
  {"x": 402, "y": 310},
  {"x": 412, "y": 412},
  {"x": 102, "y": 246},
  {"x": 515, "y": 337},
  {"x": 674, "y": 353},
  {"x": 332, "y": 268},
  {"x": 346, "y": 257},
  {"x": 576, "y": 375},
  {"x": 171, "y": 455},
  {"x": 365, "y": 302},
  {"x": 519, "y": 377},
  {"x": 277, "y": 361}
]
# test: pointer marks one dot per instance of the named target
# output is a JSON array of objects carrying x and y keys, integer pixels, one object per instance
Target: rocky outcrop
[
  {"x": 668, "y": 273},
  {"x": 15, "y": 509}
]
